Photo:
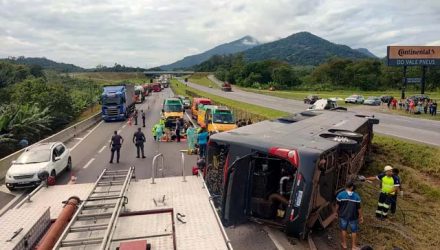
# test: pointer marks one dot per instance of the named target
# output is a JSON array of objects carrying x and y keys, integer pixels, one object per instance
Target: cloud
[{"x": 148, "y": 33}]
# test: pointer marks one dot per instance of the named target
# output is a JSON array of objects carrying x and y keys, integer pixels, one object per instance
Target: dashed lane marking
[
  {"x": 91, "y": 131},
  {"x": 88, "y": 163},
  {"x": 102, "y": 149},
  {"x": 124, "y": 126}
]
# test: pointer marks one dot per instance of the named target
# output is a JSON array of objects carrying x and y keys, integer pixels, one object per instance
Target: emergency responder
[
  {"x": 202, "y": 140},
  {"x": 115, "y": 145},
  {"x": 191, "y": 138},
  {"x": 389, "y": 186},
  {"x": 135, "y": 117},
  {"x": 139, "y": 140},
  {"x": 158, "y": 132},
  {"x": 143, "y": 118},
  {"x": 178, "y": 128}
]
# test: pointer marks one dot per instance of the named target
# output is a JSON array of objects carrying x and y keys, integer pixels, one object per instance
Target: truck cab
[
  {"x": 172, "y": 110},
  {"x": 195, "y": 105},
  {"x": 139, "y": 94},
  {"x": 117, "y": 102},
  {"x": 219, "y": 119}
]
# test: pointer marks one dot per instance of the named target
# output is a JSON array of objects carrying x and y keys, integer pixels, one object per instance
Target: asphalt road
[
  {"x": 90, "y": 151},
  {"x": 418, "y": 130}
]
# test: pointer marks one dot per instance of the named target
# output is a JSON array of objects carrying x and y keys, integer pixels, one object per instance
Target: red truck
[
  {"x": 156, "y": 87},
  {"x": 226, "y": 86}
]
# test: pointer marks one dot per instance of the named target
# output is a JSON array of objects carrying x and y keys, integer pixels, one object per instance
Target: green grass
[
  {"x": 204, "y": 82},
  {"x": 268, "y": 113},
  {"x": 112, "y": 77},
  {"x": 417, "y": 219}
]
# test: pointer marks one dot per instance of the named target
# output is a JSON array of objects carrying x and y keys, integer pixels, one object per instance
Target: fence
[{"x": 240, "y": 114}]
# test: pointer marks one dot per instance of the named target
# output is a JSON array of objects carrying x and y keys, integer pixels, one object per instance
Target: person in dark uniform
[
  {"x": 135, "y": 117},
  {"x": 143, "y": 118},
  {"x": 139, "y": 140},
  {"x": 178, "y": 128},
  {"x": 115, "y": 144}
]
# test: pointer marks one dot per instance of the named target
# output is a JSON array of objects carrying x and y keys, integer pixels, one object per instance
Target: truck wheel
[{"x": 69, "y": 164}]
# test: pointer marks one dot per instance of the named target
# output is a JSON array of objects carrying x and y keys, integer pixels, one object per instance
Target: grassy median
[{"x": 180, "y": 89}]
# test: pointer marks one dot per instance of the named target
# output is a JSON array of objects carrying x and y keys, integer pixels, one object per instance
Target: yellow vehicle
[
  {"x": 201, "y": 113},
  {"x": 218, "y": 119},
  {"x": 172, "y": 110}
]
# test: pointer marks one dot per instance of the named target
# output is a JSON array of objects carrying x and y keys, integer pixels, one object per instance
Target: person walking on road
[
  {"x": 135, "y": 117},
  {"x": 115, "y": 145},
  {"x": 143, "y": 118},
  {"x": 349, "y": 212},
  {"x": 178, "y": 128},
  {"x": 202, "y": 140},
  {"x": 389, "y": 185},
  {"x": 139, "y": 140}
]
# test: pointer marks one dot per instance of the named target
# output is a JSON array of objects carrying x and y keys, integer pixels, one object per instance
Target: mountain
[
  {"x": 366, "y": 52},
  {"x": 236, "y": 46},
  {"x": 302, "y": 48},
  {"x": 44, "y": 63}
]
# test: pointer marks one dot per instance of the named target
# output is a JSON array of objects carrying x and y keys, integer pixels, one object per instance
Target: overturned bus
[{"x": 286, "y": 172}]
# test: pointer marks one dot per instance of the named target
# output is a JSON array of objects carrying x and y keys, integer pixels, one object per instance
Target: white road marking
[
  {"x": 102, "y": 149},
  {"x": 78, "y": 138},
  {"x": 124, "y": 126},
  {"x": 91, "y": 131},
  {"x": 119, "y": 131},
  {"x": 88, "y": 163}
]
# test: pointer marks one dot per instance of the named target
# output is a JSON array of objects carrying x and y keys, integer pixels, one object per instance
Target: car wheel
[
  {"x": 346, "y": 102},
  {"x": 69, "y": 164},
  {"x": 53, "y": 173}
]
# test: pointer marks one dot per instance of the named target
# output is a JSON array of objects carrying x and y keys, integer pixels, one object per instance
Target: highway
[
  {"x": 418, "y": 130},
  {"x": 91, "y": 153}
]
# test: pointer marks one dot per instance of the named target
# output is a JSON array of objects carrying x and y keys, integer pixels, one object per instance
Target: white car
[
  {"x": 354, "y": 99},
  {"x": 53, "y": 157}
]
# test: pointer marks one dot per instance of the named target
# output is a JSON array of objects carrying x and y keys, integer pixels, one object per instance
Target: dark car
[
  {"x": 417, "y": 98},
  {"x": 311, "y": 99},
  {"x": 286, "y": 172},
  {"x": 386, "y": 98}
]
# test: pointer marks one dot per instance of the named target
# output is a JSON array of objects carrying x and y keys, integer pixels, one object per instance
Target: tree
[{"x": 285, "y": 76}]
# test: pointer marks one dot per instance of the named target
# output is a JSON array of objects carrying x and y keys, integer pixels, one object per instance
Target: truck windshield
[
  {"x": 137, "y": 92},
  {"x": 173, "y": 108},
  {"x": 223, "y": 117},
  {"x": 114, "y": 100}
]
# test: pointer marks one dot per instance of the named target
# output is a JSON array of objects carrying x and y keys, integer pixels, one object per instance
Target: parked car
[
  {"x": 311, "y": 99},
  {"x": 325, "y": 104},
  {"x": 52, "y": 157},
  {"x": 373, "y": 100},
  {"x": 386, "y": 98},
  {"x": 354, "y": 99},
  {"x": 285, "y": 172},
  {"x": 186, "y": 101},
  {"x": 417, "y": 98}
]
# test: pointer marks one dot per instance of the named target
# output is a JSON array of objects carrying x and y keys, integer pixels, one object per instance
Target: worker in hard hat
[{"x": 390, "y": 185}]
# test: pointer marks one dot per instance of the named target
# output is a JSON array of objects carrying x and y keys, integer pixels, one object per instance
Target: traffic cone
[{"x": 72, "y": 179}]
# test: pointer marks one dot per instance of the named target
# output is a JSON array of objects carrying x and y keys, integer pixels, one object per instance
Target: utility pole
[{"x": 423, "y": 80}]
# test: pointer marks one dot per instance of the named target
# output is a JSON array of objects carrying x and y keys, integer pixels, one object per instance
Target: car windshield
[
  {"x": 34, "y": 156},
  {"x": 223, "y": 117},
  {"x": 173, "y": 108}
]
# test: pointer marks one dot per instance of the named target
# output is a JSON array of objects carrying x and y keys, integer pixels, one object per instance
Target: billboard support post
[
  {"x": 404, "y": 82},
  {"x": 422, "y": 91}
]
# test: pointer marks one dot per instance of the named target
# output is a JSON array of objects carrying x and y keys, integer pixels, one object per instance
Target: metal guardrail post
[
  {"x": 28, "y": 197},
  {"x": 183, "y": 163},
  {"x": 153, "y": 167}
]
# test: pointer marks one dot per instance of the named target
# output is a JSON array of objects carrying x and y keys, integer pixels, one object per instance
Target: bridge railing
[{"x": 63, "y": 136}]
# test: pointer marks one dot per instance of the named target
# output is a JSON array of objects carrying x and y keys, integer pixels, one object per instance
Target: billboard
[{"x": 413, "y": 55}]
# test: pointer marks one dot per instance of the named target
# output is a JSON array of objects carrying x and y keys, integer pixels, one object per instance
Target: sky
[{"x": 148, "y": 33}]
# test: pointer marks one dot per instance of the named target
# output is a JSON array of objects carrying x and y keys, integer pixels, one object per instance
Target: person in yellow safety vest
[{"x": 390, "y": 184}]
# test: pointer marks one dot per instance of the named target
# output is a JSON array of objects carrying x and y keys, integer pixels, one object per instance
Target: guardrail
[{"x": 63, "y": 136}]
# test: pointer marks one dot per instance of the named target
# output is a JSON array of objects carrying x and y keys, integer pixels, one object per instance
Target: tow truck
[
  {"x": 172, "y": 110},
  {"x": 216, "y": 119}
]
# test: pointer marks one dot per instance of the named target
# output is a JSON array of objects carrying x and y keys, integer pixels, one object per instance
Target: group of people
[
  {"x": 349, "y": 212},
  {"x": 414, "y": 106}
]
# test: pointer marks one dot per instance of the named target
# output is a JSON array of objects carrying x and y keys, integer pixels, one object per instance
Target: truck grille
[
  {"x": 20, "y": 177},
  {"x": 112, "y": 111}
]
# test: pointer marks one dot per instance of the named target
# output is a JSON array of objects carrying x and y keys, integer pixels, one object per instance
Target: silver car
[
  {"x": 354, "y": 99},
  {"x": 53, "y": 157},
  {"x": 373, "y": 100}
]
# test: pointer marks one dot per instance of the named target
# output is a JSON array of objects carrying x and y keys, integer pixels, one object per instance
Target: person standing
[
  {"x": 202, "y": 140},
  {"x": 139, "y": 140},
  {"x": 159, "y": 132},
  {"x": 143, "y": 118},
  {"x": 115, "y": 145},
  {"x": 349, "y": 213},
  {"x": 135, "y": 117},
  {"x": 190, "y": 137},
  {"x": 389, "y": 185},
  {"x": 434, "y": 108},
  {"x": 178, "y": 128},
  {"x": 393, "y": 199}
]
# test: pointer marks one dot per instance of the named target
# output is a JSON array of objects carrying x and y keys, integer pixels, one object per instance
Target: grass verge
[
  {"x": 203, "y": 80},
  {"x": 179, "y": 89},
  {"x": 415, "y": 224},
  {"x": 112, "y": 77}
]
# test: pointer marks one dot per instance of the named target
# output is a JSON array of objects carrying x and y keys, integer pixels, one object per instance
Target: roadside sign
[
  {"x": 413, "y": 55},
  {"x": 413, "y": 79}
]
